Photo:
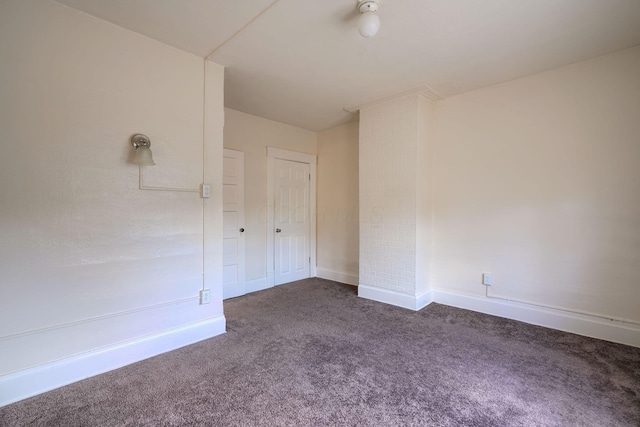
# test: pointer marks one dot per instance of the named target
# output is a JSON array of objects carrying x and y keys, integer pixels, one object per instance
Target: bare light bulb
[{"x": 368, "y": 24}]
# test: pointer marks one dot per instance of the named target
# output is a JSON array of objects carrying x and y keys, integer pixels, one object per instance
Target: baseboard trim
[
  {"x": 551, "y": 318},
  {"x": 233, "y": 291},
  {"x": 411, "y": 302},
  {"x": 256, "y": 285},
  {"x": 40, "y": 379},
  {"x": 336, "y": 276}
]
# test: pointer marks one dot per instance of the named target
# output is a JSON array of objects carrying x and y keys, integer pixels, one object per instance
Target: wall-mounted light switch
[{"x": 206, "y": 191}]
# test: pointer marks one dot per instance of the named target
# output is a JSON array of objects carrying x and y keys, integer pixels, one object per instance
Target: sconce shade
[{"x": 142, "y": 155}]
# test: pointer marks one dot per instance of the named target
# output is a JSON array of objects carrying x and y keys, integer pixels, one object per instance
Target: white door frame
[{"x": 294, "y": 156}]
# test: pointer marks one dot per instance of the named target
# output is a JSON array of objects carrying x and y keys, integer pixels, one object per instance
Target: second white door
[
  {"x": 291, "y": 221},
  {"x": 233, "y": 283}
]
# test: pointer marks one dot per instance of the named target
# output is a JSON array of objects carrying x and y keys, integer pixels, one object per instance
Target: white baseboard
[
  {"x": 256, "y": 285},
  {"x": 232, "y": 291},
  {"x": 412, "y": 302},
  {"x": 33, "y": 381},
  {"x": 336, "y": 276},
  {"x": 551, "y": 318},
  {"x": 247, "y": 287}
]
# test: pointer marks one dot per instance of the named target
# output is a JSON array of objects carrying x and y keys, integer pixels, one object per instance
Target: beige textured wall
[
  {"x": 397, "y": 140},
  {"x": 424, "y": 193},
  {"x": 82, "y": 249},
  {"x": 538, "y": 181},
  {"x": 338, "y": 201},
  {"x": 388, "y": 160},
  {"x": 252, "y": 135}
]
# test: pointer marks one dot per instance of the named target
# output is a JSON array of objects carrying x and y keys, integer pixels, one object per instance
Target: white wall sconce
[
  {"x": 369, "y": 22},
  {"x": 143, "y": 155}
]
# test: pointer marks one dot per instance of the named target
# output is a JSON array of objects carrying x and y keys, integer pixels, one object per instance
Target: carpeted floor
[{"x": 311, "y": 353}]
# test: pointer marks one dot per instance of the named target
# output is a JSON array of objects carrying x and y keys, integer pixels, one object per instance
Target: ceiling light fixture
[{"x": 369, "y": 22}]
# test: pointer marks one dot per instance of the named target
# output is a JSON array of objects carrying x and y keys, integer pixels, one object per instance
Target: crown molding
[{"x": 424, "y": 90}]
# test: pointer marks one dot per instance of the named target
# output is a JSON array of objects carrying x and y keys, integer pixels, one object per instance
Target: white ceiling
[{"x": 302, "y": 62}]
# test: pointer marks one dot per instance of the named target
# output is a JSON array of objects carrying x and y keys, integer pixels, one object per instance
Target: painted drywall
[
  {"x": 537, "y": 181},
  {"x": 337, "y": 212},
  {"x": 252, "y": 135},
  {"x": 87, "y": 260}
]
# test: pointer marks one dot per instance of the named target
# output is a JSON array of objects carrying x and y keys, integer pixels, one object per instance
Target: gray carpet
[{"x": 311, "y": 353}]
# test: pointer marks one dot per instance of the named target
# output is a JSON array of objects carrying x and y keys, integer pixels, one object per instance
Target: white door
[
  {"x": 233, "y": 279},
  {"x": 291, "y": 221}
]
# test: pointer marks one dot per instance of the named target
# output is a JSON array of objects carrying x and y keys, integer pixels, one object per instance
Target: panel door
[
  {"x": 291, "y": 221},
  {"x": 233, "y": 276}
]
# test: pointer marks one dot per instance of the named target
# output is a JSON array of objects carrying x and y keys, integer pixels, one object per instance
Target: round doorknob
[
  {"x": 278, "y": 230},
  {"x": 242, "y": 230}
]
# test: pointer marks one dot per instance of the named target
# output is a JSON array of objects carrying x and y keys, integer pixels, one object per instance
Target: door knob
[
  {"x": 242, "y": 230},
  {"x": 278, "y": 230}
]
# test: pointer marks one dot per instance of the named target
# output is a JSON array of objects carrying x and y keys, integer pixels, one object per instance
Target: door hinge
[
  {"x": 309, "y": 177},
  {"x": 309, "y": 260}
]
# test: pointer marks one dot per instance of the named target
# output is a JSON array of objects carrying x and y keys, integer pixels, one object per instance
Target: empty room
[{"x": 302, "y": 213}]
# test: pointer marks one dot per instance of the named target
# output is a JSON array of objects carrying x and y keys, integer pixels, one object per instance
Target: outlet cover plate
[
  {"x": 205, "y": 296},
  {"x": 487, "y": 279}
]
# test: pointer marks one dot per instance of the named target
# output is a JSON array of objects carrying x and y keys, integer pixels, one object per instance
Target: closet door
[{"x": 233, "y": 276}]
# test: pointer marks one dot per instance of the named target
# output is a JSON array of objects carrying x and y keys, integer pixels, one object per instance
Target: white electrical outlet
[
  {"x": 487, "y": 279},
  {"x": 204, "y": 296}
]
